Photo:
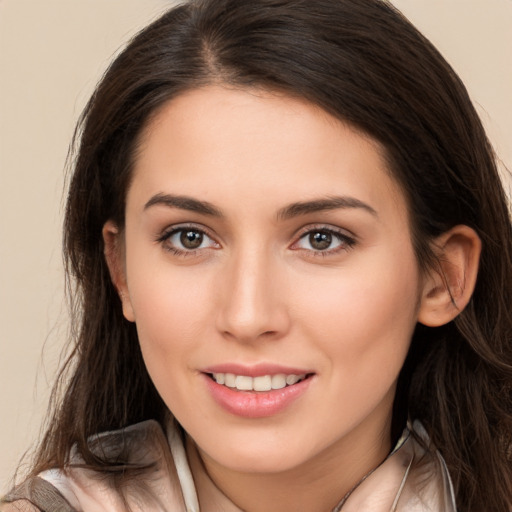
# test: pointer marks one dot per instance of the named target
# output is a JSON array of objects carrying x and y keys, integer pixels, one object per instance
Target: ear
[
  {"x": 115, "y": 257},
  {"x": 448, "y": 289}
]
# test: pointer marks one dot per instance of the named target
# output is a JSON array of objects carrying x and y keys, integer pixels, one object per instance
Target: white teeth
[
  {"x": 243, "y": 383},
  {"x": 229, "y": 380},
  {"x": 261, "y": 383},
  {"x": 278, "y": 381},
  {"x": 292, "y": 379},
  {"x": 219, "y": 378}
]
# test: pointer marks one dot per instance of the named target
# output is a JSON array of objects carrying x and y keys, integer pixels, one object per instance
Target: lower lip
[{"x": 256, "y": 404}]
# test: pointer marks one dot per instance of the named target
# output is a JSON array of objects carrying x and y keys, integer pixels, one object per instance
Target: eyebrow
[
  {"x": 318, "y": 205},
  {"x": 184, "y": 203},
  {"x": 293, "y": 210}
]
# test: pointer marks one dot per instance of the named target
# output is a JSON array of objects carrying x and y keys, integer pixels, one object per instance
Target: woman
[{"x": 288, "y": 235}]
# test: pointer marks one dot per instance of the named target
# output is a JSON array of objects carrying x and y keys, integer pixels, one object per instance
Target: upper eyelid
[
  {"x": 164, "y": 239},
  {"x": 169, "y": 230},
  {"x": 347, "y": 238},
  {"x": 325, "y": 227}
]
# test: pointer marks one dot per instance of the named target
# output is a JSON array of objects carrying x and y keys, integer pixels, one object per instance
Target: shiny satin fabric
[{"x": 411, "y": 479}]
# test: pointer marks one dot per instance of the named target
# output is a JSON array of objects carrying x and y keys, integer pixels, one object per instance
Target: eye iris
[
  {"x": 191, "y": 239},
  {"x": 320, "y": 240}
]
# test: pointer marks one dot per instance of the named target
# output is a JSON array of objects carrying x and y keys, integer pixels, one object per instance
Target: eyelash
[
  {"x": 164, "y": 240},
  {"x": 346, "y": 242}
]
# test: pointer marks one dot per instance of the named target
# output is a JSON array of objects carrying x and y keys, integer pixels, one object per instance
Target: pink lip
[
  {"x": 256, "y": 404},
  {"x": 256, "y": 370}
]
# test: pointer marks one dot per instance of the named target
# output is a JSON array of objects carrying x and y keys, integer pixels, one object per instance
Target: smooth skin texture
[{"x": 261, "y": 230}]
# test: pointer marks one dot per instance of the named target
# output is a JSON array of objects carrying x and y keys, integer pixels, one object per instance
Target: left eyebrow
[{"x": 318, "y": 205}]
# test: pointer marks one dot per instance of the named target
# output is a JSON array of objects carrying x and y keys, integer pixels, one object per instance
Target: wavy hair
[{"x": 364, "y": 63}]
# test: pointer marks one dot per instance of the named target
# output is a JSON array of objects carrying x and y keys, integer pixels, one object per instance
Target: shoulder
[
  {"x": 139, "y": 474},
  {"x": 413, "y": 478},
  {"x": 33, "y": 495},
  {"x": 428, "y": 485},
  {"x": 21, "y": 506}
]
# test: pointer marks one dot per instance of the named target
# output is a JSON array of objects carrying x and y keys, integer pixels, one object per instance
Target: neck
[{"x": 328, "y": 477}]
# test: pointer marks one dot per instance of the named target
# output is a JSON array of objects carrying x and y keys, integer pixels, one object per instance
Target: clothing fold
[{"x": 155, "y": 476}]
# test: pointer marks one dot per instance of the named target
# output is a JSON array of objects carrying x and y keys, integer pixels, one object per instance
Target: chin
[
  {"x": 263, "y": 452},
  {"x": 262, "y": 461}
]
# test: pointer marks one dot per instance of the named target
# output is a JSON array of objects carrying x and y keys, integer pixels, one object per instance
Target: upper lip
[{"x": 255, "y": 370}]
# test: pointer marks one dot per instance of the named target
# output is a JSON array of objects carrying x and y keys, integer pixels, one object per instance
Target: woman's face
[{"x": 266, "y": 243}]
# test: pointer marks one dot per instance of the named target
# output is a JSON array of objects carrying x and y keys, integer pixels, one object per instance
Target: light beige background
[{"x": 51, "y": 55}]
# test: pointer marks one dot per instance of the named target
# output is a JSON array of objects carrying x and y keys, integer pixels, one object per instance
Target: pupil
[
  {"x": 320, "y": 240},
  {"x": 191, "y": 239}
]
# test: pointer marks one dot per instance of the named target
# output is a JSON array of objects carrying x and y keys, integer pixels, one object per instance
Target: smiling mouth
[{"x": 260, "y": 383}]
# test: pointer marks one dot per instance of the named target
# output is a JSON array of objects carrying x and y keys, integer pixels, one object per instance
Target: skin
[{"x": 257, "y": 290}]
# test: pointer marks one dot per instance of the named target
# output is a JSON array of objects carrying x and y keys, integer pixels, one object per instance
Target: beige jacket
[{"x": 409, "y": 480}]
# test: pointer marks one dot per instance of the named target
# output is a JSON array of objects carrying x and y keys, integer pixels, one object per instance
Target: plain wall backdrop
[{"x": 51, "y": 55}]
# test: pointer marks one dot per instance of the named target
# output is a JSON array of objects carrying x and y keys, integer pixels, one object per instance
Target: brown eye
[
  {"x": 191, "y": 239},
  {"x": 326, "y": 241},
  {"x": 187, "y": 240},
  {"x": 320, "y": 240}
]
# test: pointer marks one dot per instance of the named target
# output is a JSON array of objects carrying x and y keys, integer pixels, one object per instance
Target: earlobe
[
  {"x": 448, "y": 289},
  {"x": 114, "y": 256}
]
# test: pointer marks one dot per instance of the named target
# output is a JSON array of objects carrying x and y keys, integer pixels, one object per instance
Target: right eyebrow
[{"x": 184, "y": 203}]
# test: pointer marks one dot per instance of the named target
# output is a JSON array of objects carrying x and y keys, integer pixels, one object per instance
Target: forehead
[{"x": 257, "y": 146}]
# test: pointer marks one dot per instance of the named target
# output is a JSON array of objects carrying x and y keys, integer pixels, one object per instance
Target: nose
[{"x": 253, "y": 299}]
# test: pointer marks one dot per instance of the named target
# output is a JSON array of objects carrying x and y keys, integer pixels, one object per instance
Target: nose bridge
[{"x": 253, "y": 303}]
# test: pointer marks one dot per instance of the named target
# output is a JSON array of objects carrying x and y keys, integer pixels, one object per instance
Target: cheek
[
  {"x": 171, "y": 318},
  {"x": 365, "y": 318},
  {"x": 171, "y": 307}
]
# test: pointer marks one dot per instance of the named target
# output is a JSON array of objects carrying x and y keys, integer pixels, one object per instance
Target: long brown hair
[{"x": 363, "y": 62}]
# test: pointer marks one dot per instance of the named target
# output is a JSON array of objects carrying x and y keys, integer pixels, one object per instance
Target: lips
[{"x": 257, "y": 391}]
